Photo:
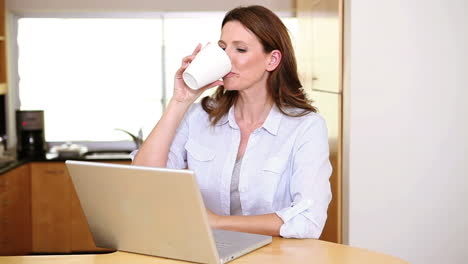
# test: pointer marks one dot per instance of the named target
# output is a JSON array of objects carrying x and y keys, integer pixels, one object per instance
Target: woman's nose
[{"x": 229, "y": 53}]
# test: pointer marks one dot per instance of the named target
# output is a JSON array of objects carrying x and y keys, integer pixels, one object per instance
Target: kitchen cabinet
[
  {"x": 329, "y": 105},
  {"x": 3, "y": 59},
  {"x": 15, "y": 212},
  {"x": 320, "y": 65},
  {"x": 3, "y": 70},
  {"x": 320, "y": 44},
  {"x": 50, "y": 208},
  {"x": 58, "y": 222}
]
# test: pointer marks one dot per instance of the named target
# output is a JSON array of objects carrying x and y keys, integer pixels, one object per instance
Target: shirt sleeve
[
  {"x": 177, "y": 156},
  {"x": 309, "y": 185}
]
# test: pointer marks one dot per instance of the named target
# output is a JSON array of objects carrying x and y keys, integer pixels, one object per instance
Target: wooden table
[{"x": 288, "y": 251}]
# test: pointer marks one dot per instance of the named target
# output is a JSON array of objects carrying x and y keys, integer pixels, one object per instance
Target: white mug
[{"x": 210, "y": 64}]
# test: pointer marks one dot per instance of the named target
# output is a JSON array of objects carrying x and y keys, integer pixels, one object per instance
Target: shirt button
[{"x": 242, "y": 189}]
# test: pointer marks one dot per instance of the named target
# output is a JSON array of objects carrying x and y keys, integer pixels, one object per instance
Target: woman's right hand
[{"x": 182, "y": 93}]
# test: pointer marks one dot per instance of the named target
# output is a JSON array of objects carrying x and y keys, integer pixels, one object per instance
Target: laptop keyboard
[{"x": 222, "y": 245}]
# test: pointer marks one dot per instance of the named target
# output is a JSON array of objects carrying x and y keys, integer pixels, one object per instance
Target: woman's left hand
[{"x": 213, "y": 219}]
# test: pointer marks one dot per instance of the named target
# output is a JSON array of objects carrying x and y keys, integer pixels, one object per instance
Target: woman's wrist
[
  {"x": 179, "y": 104},
  {"x": 218, "y": 221}
]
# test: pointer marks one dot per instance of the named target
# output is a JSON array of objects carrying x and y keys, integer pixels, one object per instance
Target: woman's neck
[{"x": 252, "y": 108}]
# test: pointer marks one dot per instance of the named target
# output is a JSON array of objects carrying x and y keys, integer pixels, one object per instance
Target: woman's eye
[
  {"x": 241, "y": 50},
  {"x": 223, "y": 48}
]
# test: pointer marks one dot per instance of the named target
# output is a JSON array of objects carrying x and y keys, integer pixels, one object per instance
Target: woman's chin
[
  {"x": 230, "y": 84},
  {"x": 229, "y": 87}
]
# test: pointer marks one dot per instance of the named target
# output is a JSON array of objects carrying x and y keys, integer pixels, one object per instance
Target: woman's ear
[{"x": 275, "y": 59}]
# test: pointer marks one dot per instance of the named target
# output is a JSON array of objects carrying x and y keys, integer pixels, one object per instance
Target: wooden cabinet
[
  {"x": 50, "y": 208},
  {"x": 58, "y": 222},
  {"x": 320, "y": 44},
  {"x": 329, "y": 105},
  {"x": 320, "y": 62},
  {"x": 15, "y": 212},
  {"x": 3, "y": 59},
  {"x": 40, "y": 212},
  {"x": 3, "y": 70}
]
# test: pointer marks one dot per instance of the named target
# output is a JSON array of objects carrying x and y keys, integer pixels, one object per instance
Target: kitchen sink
[
  {"x": 5, "y": 162},
  {"x": 107, "y": 154}
]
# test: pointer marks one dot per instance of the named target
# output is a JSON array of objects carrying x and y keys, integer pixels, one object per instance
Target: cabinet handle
[{"x": 55, "y": 172}]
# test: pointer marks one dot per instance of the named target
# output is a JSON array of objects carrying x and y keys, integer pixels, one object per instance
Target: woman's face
[{"x": 248, "y": 59}]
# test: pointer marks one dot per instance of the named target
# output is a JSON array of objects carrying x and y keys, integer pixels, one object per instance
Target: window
[{"x": 93, "y": 75}]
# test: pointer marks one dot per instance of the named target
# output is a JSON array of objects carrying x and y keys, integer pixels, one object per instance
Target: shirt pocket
[
  {"x": 198, "y": 151},
  {"x": 274, "y": 165},
  {"x": 199, "y": 159},
  {"x": 272, "y": 171}
]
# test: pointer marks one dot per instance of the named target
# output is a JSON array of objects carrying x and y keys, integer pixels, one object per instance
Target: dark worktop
[{"x": 16, "y": 163}]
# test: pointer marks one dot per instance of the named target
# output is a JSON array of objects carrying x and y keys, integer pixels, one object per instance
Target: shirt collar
[
  {"x": 227, "y": 118},
  {"x": 273, "y": 120},
  {"x": 271, "y": 123},
  {"x": 231, "y": 118}
]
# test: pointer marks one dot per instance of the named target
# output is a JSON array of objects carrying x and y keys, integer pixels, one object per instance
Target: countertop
[
  {"x": 51, "y": 158},
  {"x": 282, "y": 250}
]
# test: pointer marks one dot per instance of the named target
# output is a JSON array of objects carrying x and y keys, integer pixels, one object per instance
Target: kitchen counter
[
  {"x": 51, "y": 158},
  {"x": 281, "y": 250},
  {"x": 11, "y": 165}
]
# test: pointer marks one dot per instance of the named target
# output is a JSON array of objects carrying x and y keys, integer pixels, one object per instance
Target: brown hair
[{"x": 283, "y": 83}]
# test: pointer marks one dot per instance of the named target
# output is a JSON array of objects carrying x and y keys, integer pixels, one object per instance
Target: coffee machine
[{"x": 30, "y": 134}]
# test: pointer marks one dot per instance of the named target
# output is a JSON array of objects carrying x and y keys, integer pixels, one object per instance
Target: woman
[{"x": 258, "y": 149}]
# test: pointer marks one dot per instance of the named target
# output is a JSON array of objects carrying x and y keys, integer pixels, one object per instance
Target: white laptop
[{"x": 153, "y": 211}]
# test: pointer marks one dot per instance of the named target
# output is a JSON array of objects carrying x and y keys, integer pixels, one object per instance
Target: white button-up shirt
[{"x": 285, "y": 167}]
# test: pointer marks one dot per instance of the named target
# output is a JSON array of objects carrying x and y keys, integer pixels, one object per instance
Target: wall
[
  {"x": 139, "y": 5},
  {"x": 406, "y": 131}
]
